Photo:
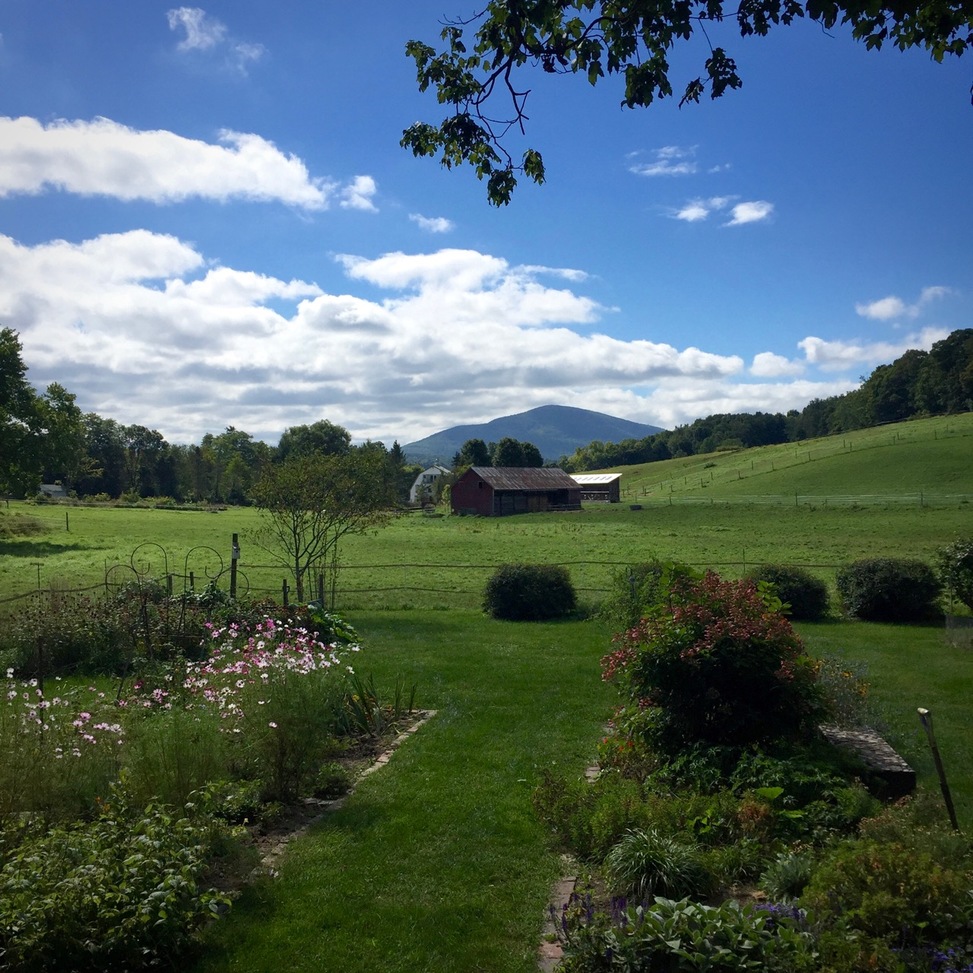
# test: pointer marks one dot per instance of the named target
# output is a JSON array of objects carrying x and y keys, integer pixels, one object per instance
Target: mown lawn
[{"x": 437, "y": 862}]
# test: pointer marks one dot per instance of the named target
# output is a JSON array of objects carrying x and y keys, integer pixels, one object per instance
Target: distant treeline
[{"x": 934, "y": 382}]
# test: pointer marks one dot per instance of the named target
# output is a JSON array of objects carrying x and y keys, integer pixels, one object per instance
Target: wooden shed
[
  {"x": 599, "y": 487},
  {"x": 494, "y": 491}
]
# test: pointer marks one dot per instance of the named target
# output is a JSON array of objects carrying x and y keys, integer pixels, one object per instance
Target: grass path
[{"x": 437, "y": 863}]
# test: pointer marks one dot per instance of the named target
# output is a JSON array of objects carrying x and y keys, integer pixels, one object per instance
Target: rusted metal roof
[{"x": 525, "y": 478}]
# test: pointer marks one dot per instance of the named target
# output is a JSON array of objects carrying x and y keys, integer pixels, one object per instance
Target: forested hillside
[{"x": 920, "y": 383}]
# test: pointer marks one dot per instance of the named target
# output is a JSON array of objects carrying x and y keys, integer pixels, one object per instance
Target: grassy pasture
[{"x": 901, "y": 490}]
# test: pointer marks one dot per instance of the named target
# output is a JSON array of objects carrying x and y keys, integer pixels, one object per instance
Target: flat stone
[{"x": 897, "y": 778}]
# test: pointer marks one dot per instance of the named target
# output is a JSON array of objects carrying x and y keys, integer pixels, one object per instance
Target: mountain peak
[{"x": 556, "y": 430}]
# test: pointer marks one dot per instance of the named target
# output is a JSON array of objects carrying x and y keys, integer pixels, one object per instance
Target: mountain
[{"x": 556, "y": 430}]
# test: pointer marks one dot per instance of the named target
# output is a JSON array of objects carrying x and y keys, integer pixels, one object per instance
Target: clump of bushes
[
  {"x": 529, "y": 593},
  {"x": 805, "y": 596},
  {"x": 714, "y": 781},
  {"x": 889, "y": 590}
]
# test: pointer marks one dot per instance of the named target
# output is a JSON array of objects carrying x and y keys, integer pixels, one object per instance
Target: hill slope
[
  {"x": 921, "y": 456},
  {"x": 556, "y": 430}
]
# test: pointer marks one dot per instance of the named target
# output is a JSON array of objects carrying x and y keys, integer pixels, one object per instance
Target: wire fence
[{"x": 374, "y": 586}]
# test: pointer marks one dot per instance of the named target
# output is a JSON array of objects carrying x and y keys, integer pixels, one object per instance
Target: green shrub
[
  {"x": 529, "y": 592},
  {"x": 889, "y": 590},
  {"x": 889, "y": 892},
  {"x": 122, "y": 892},
  {"x": 804, "y": 595},
  {"x": 717, "y": 664},
  {"x": 588, "y": 818}
]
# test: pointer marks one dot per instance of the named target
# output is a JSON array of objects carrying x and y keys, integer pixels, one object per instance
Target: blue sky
[{"x": 206, "y": 220}]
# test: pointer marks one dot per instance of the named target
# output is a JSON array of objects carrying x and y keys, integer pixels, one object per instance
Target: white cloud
[
  {"x": 694, "y": 211},
  {"x": 699, "y": 209},
  {"x": 104, "y": 158},
  {"x": 202, "y": 31},
  {"x": 143, "y": 328},
  {"x": 892, "y": 308},
  {"x": 766, "y": 364},
  {"x": 843, "y": 355},
  {"x": 670, "y": 160},
  {"x": 358, "y": 194},
  {"x": 206, "y": 33},
  {"x": 752, "y": 212},
  {"x": 432, "y": 224}
]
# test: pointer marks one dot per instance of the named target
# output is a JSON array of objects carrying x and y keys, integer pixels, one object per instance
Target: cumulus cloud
[
  {"x": 752, "y": 212},
  {"x": 432, "y": 224},
  {"x": 103, "y": 158},
  {"x": 144, "y": 328},
  {"x": 698, "y": 209},
  {"x": 358, "y": 194},
  {"x": 766, "y": 364},
  {"x": 893, "y": 308},
  {"x": 670, "y": 160},
  {"x": 206, "y": 33},
  {"x": 842, "y": 355}
]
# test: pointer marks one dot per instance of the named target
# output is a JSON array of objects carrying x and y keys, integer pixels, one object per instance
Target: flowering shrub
[
  {"x": 278, "y": 691},
  {"x": 716, "y": 663},
  {"x": 60, "y": 751}
]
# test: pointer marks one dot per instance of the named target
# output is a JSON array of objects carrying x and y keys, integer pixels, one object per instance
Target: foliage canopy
[{"x": 631, "y": 38}]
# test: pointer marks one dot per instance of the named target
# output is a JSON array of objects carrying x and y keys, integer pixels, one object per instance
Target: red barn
[{"x": 493, "y": 491}]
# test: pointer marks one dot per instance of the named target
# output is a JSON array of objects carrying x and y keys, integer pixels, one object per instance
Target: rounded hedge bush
[
  {"x": 806, "y": 595},
  {"x": 529, "y": 593},
  {"x": 889, "y": 590}
]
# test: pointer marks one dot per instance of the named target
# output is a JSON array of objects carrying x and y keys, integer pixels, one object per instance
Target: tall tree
[
  {"x": 474, "y": 452},
  {"x": 310, "y": 502},
  {"x": 631, "y": 38},
  {"x": 508, "y": 452},
  {"x": 323, "y": 437},
  {"x": 20, "y": 460},
  {"x": 63, "y": 451}
]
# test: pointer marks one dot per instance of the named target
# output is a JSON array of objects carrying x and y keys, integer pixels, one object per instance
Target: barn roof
[
  {"x": 525, "y": 478},
  {"x": 586, "y": 479}
]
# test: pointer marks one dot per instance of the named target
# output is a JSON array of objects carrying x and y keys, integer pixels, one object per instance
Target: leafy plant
[
  {"x": 636, "y": 589},
  {"x": 888, "y": 589},
  {"x": 667, "y": 935},
  {"x": 529, "y": 592},
  {"x": 805, "y": 597},
  {"x": 123, "y": 892}
]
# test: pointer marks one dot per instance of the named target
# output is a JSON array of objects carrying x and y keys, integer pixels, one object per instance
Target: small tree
[
  {"x": 955, "y": 563},
  {"x": 311, "y": 502}
]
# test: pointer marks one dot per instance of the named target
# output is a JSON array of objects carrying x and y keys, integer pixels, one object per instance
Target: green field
[{"x": 901, "y": 490}]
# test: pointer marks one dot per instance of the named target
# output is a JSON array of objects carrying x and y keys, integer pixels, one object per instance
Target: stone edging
[{"x": 268, "y": 863}]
